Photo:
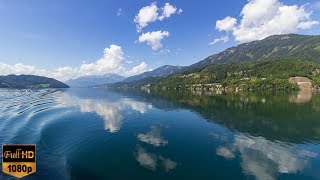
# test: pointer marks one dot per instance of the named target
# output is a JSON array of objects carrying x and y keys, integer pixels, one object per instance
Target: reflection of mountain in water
[
  {"x": 272, "y": 116},
  {"x": 303, "y": 96},
  {"x": 271, "y": 121}
]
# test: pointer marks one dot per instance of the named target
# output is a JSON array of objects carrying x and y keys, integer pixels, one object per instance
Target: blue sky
[{"x": 42, "y": 36}]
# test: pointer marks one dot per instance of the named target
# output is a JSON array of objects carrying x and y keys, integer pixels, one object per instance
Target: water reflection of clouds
[
  {"x": 136, "y": 105},
  {"x": 153, "y": 161},
  {"x": 265, "y": 159},
  {"x": 225, "y": 152},
  {"x": 146, "y": 159},
  {"x": 112, "y": 111},
  {"x": 153, "y": 137}
]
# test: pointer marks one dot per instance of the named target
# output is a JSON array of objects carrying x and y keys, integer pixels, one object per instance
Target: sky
[{"x": 68, "y": 39}]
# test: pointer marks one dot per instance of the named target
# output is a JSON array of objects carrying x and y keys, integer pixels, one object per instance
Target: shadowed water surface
[{"x": 101, "y": 134}]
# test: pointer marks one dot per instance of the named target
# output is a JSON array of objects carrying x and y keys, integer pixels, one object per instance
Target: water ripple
[{"x": 19, "y": 109}]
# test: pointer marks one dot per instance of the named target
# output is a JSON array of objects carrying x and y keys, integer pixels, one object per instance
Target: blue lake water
[{"x": 101, "y": 134}]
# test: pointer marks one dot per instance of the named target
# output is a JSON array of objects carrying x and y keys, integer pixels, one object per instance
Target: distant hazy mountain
[
  {"x": 140, "y": 79},
  {"x": 162, "y": 71},
  {"x": 29, "y": 81},
  {"x": 87, "y": 81}
]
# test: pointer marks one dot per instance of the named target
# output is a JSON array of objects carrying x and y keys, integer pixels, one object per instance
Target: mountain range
[
  {"x": 162, "y": 71},
  {"x": 289, "y": 46},
  {"x": 141, "y": 79},
  {"x": 105, "y": 80},
  {"x": 88, "y": 81},
  {"x": 277, "y": 47},
  {"x": 264, "y": 64}
]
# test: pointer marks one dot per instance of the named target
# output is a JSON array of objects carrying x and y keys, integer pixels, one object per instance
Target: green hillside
[
  {"x": 267, "y": 74},
  {"x": 290, "y": 46},
  {"x": 29, "y": 81}
]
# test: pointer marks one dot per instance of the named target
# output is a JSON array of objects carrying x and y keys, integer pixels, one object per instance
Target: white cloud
[
  {"x": 154, "y": 38},
  {"x": 19, "y": 68},
  {"x": 110, "y": 62},
  {"x": 150, "y": 14},
  {"x": 168, "y": 10},
  {"x": 226, "y": 24},
  {"x": 113, "y": 61},
  {"x": 137, "y": 69},
  {"x": 146, "y": 15},
  {"x": 119, "y": 12},
  {"x": 262, "y": 18},
  {"x": 223, "y": 39},
  {"x": 307, "y": 25},
  {"x": 162, "y": 52}
]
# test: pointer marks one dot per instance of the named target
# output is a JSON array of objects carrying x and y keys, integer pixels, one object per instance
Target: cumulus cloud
[
  {"x": 112, "y": 61},
  {"x": 146, "y": 15},
  {"x": 137, "y": 69},
  {"x": 153, "y": 39},
  {"x": 168, "y": 10},
  {"x": 307, "y": 25},
  {"x": 262, "y": 18},
  {"x": 150, "y": 14},
  {"x": 223, "y": 39},
  {"x": 226, "y": 24}
]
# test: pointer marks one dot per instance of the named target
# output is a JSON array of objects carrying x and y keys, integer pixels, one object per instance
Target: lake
[{"x": 104, "y": 134}]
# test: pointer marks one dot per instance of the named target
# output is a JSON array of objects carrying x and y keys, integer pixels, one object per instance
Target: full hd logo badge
[{"x": 19, "y": 160}]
